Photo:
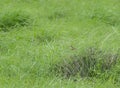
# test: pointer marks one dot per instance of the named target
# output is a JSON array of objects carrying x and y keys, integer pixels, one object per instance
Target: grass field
[{"x": 59, "y": 43}]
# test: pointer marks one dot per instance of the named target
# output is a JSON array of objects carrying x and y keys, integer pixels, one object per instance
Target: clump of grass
[
  {"x": 46, "y": 35},
  {"x": 93, "y": 63},
  {"x": 109, "y": 18},
  {"x": 57, "y": 15},
  {"x": 12, "y": 19},
  {"x": 3, "y": 49},
  {"x": 44, "y": 38}
]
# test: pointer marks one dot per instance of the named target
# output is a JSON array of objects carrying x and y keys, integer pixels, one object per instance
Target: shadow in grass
[
  {"x": 12, "y": 19},
  {"x": 92, "y": 63}
]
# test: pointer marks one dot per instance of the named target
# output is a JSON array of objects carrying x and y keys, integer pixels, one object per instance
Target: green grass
[{"x": 37, "y": 34}]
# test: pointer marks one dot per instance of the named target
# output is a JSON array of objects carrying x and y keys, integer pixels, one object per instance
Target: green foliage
[{"x": 12, "y": 19}]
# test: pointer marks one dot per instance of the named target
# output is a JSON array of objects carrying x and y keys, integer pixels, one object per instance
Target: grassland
[{"x": 37, "y": 35}]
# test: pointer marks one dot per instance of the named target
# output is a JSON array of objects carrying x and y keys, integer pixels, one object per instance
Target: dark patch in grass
[
  {"x": 93, "y": 63},
  {"x": 57, "y": 15},
  {"x": 106, "y": 17},
  {"x": 13, "y": 19}
]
